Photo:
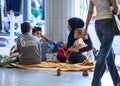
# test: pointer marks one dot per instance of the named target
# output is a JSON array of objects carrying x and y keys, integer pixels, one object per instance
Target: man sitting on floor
[{"x": 28, "y": 48}]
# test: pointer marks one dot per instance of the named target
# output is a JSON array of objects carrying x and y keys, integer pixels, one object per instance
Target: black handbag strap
[{"x": 110, "y": 4}]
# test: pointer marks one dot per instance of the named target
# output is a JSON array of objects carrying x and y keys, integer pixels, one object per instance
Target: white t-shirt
[
  {"x": 79, "y": 41},
  {"x": 103, "y": 9}
]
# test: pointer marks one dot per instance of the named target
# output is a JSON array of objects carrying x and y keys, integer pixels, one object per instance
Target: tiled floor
[{"x": 20, "y": 77}]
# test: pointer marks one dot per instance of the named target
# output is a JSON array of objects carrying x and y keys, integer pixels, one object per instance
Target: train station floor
[{"x": 21, "y": 77}]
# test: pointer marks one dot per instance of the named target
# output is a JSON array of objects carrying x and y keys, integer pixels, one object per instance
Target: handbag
[{"x": 116, "y": 22}]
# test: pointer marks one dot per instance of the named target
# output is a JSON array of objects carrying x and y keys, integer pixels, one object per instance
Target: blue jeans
[{"x": 106, "y": 53}]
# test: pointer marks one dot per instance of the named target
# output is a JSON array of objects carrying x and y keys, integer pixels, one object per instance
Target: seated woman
[
  {"x": 75, "y": 56},
  {"x": 78, "y": 44},
  {"x": 88, "y": 49}
]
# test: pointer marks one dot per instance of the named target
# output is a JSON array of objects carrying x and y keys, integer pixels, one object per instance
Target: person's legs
[
  {"x": 101, "y": 61},
  {"x": 46, "y": 48},
  {"x": 104, "y": 33},
  {"x": 112, "y": 68},
  {"x": 76, "y": 58}
]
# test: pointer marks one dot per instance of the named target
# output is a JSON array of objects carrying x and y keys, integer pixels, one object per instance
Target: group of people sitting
[{"x": 32, "y": 48}]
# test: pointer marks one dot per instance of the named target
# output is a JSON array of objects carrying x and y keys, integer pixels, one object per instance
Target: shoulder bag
[{"x": 116, "y": 22}]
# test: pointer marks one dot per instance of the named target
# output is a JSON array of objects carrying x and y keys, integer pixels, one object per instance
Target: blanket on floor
[{"x": 55, "y": 66}]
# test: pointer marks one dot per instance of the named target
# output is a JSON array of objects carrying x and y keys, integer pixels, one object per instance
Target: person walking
[{"x": 103, "y": 27}]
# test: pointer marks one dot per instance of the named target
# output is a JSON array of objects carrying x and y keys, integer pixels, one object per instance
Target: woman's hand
[
  {"x": 66, "y": 54},
  {"x": 84, "y": 33}
]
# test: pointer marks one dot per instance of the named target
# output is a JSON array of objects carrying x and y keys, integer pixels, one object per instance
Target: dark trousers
[
  {"x": 76, "y": 58},
  {"x": 106, "y": 53}
]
